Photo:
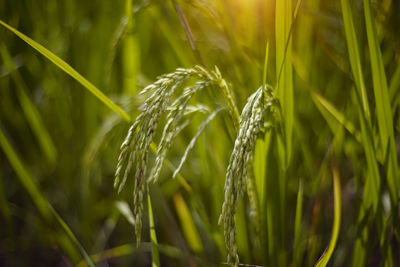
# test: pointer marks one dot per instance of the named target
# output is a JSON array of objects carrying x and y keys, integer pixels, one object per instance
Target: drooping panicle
[
  {"x": 250, "y": 124},
  {"x": 171, "y": 128},
  {"x": 135, "y": 148}
]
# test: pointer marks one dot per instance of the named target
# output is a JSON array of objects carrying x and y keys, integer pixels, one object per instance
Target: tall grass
[{"x": 212, "y": 170}]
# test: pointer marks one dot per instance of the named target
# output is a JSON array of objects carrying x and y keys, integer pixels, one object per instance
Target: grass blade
[
  {"x": 31, "y": 113},
  {"x": 265, "y": 70},
  {"x": 335, "y": 113},
  {"x": 71, "y": 236},
  {"x": 115, "y": 252},
  {"x": 44, "y": 207},
  {"x": 260, "y": 154},
  {"x": 128, "y": 249},
  {"x": 26, "y": 180},
  {"x": 124, "y": 209},
  {"x": 284, "y": 88},
  {"x": 131, "y": 51},
  {"x": 324, "y": 106},
  {"x": 354, "y": 55},
  {"x": 370, "y": 198},
  {"x": 69, "y": 70},
  {"x": 284, "y": 65},
  {"x": 189, "y": 229},
  {"x": 373, "y": 176},
  {"x": 382, "y": 102},
  {"x": 259, "y": 166},
  {"x": 297, "y": 225},
  {"x": 169, "y": 34},
  {"x": 188, "y": 32},
  {"x": 155, "y": 259},
  {"x": 394, "y": 89},
  {"x": 323, "y": 261}
]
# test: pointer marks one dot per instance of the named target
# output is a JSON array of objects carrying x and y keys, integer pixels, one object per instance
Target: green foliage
[
  {"x": 68, "y": 69},
  {"x": 323, "y": 261},
  {"x": 266, "y": 168},
  {"x": 44, "y": 207}
]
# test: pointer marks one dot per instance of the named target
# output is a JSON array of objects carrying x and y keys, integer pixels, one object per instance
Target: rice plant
[{"x": 122, "y": 143}]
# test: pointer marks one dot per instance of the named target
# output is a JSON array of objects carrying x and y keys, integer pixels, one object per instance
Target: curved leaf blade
[
  {"x": 323, "y": 261},
  {"x": 69, "y": 70}
]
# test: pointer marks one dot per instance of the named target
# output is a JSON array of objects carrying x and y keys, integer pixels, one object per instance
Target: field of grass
[{"x": 200, "y": 133}]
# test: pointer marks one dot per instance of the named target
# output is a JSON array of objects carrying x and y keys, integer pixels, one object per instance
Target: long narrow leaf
[
  {"x": 128, "y": 249},
  {"x": 155, "y": 257},
  {"x": 189, "y": 229},
  {"x": 348, "y": 125},
  {"x": 382, "y": 102},
  {"x": 394, "y": 89},
  {"x": 323, "y": 103},
  {"x": 373, "y": 176},
  {"x": 372, "y": 184},
  {"x": 69, "y": 70},
  {"x": 297, "y": 225},
  {"x": 31, "y": 113},
  {"x": 284, "y": 65},
  {"x": 354, "y": 55},
  {"x": 323, "y": 261}
]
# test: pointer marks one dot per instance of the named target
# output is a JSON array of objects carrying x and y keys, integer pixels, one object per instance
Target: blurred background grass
[{"x": 58, "y": 137}]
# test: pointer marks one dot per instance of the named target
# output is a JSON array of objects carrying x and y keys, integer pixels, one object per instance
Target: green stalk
[
  {"x": 155, "y": 259},
  {"x": 131, "y": 52},
  {"x": 297, "y": 226},
  {"x": 371, "y": 192},
  {"x": 373, "y": 176},
  {"x": 283, "y": 23},
  {"x": 382, "y": 103},
  {"x": 323, "y": 261}
]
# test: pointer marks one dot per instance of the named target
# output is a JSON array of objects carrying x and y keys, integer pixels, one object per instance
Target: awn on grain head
[
  {"x": 135, "y": 148},
  {"x": 253, "y": 115}
]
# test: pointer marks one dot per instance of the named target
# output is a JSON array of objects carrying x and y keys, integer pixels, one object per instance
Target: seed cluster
[
  {"x": 235, "y": 184},
  {"x": 135, "y": 148},
  {"x": 171, "y": 128}
]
